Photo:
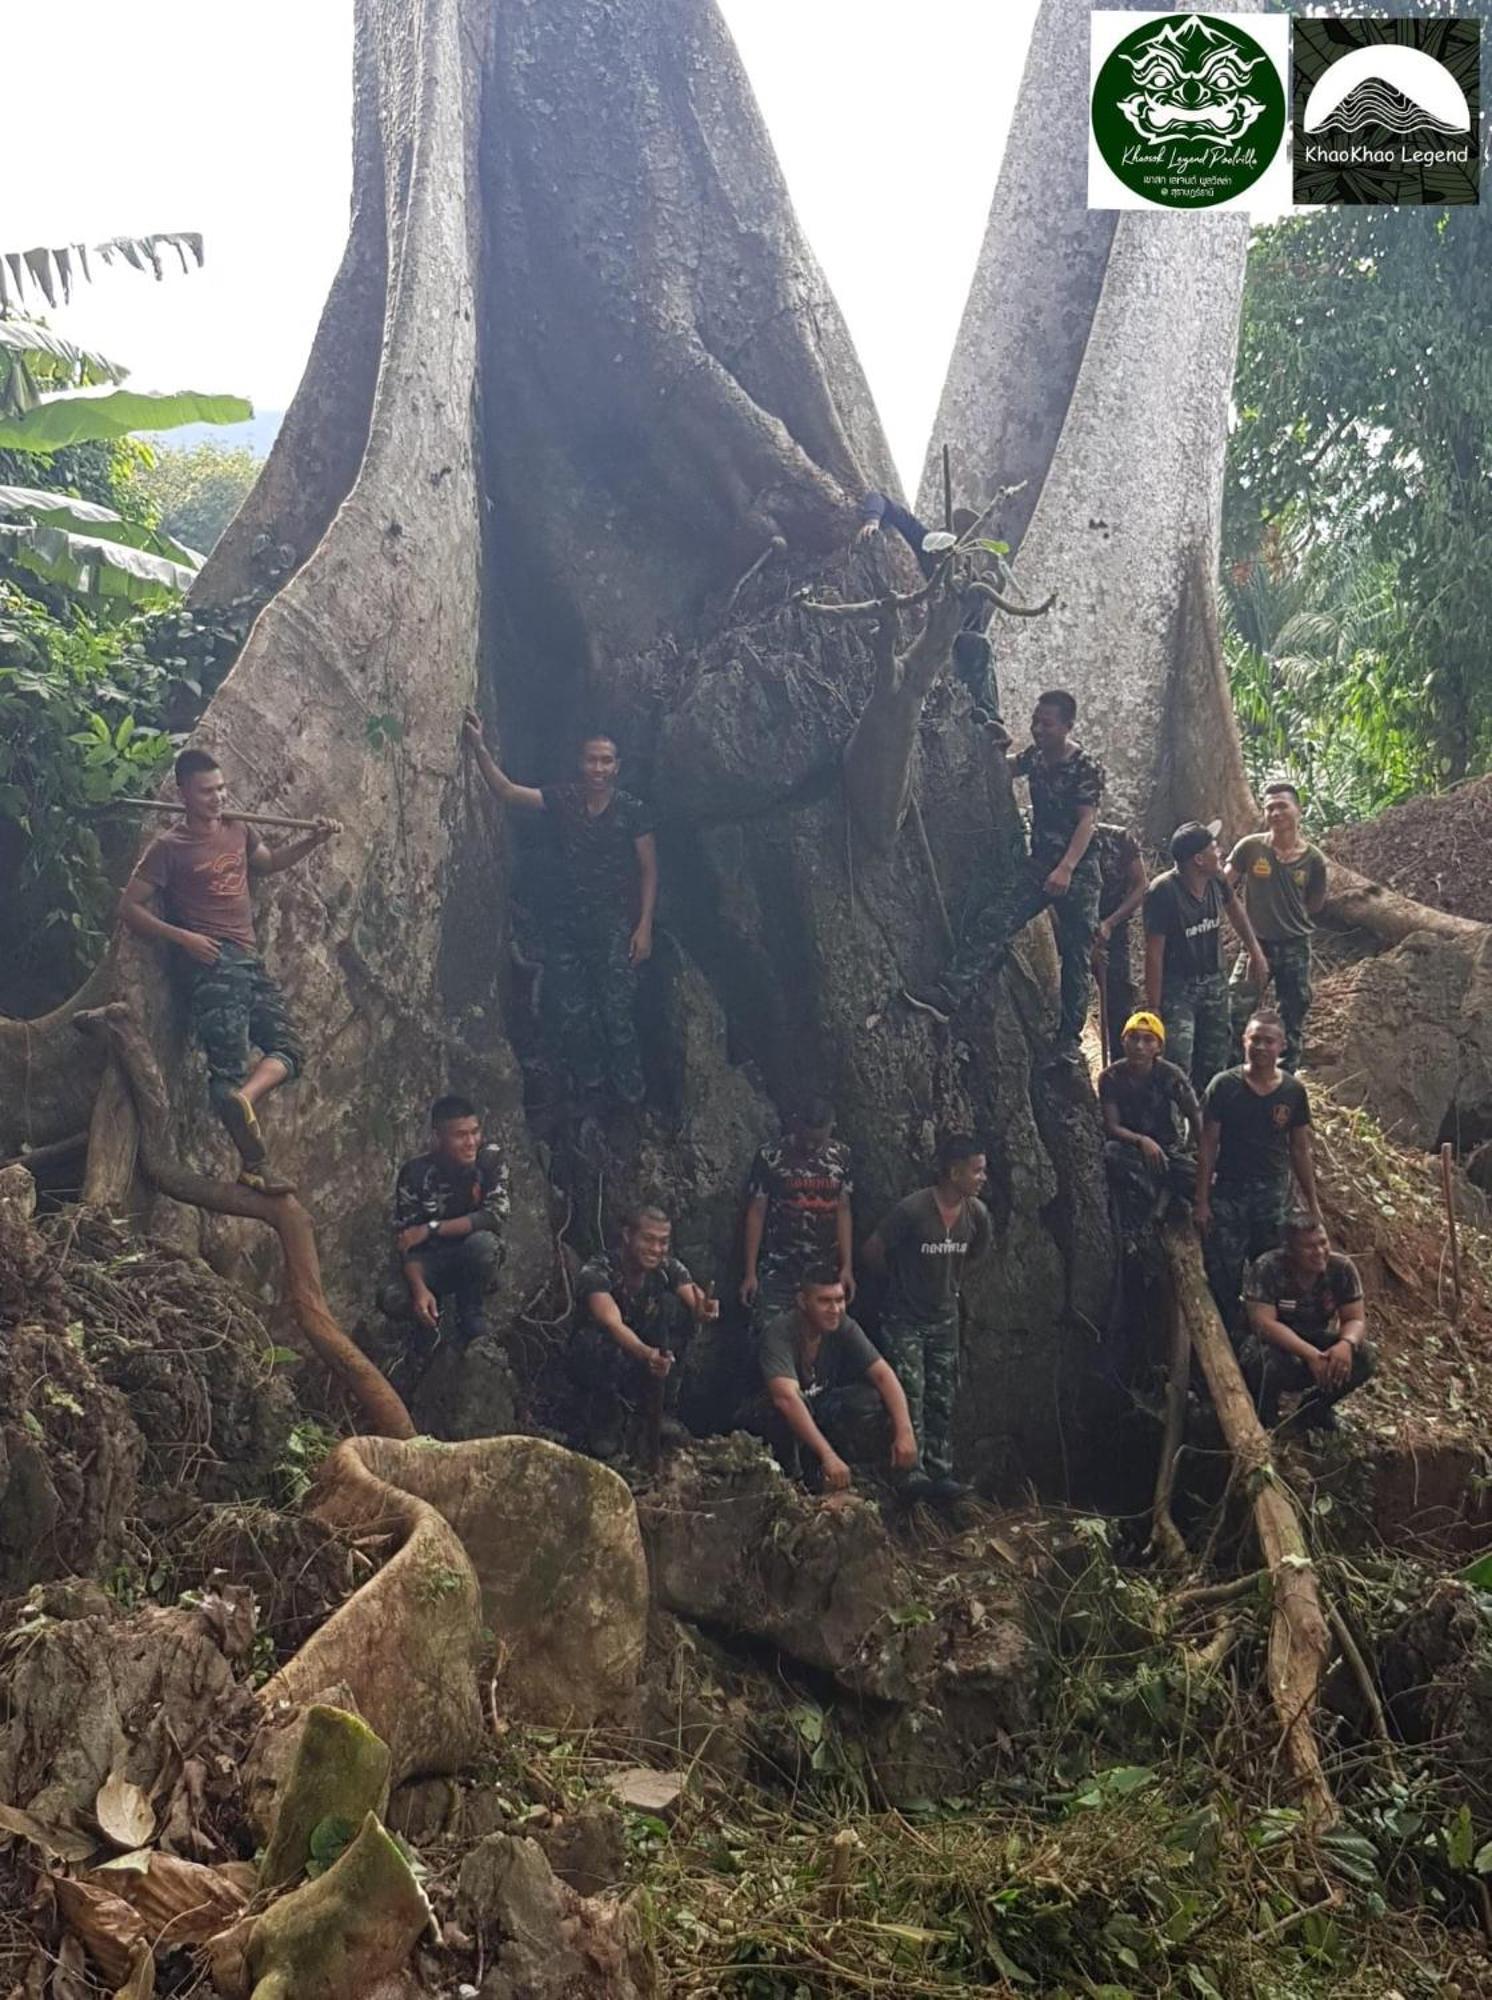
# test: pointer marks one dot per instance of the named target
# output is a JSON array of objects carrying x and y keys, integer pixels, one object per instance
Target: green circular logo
[{"x": 1188, "y": 111}]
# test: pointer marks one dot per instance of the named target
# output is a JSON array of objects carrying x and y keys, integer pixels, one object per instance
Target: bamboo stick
[
  {"x": 230, "y": 812},
  {"x": 1448, "y": 1190}
]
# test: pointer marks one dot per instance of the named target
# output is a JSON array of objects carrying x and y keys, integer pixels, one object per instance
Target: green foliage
[
  {"x": 34, "y": 362},
  {"x": 1364, "y": 402},
  {"x": 90, "y": 551},
  {"x": 195, "y": 494},
  {"x": 80, "y": 708},
  {"x": 308, "y": 1444},
  {"x": 94, "y": 415},
  {"x": 1326, "y": 685}
]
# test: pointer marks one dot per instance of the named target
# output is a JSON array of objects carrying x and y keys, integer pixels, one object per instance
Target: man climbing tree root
[
  {"x": 1299, "y": 1634},
  {"x": 379, "y": 1405}
]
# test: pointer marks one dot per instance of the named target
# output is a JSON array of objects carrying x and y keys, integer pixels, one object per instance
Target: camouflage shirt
[
  {"x": 430, "y": 1190},
  {"x": 1059, "y": 792},
  {"x": 803, "y": 1193},
  {"x": 597, "y": 852},
  {"x": 639, "y": 1309},
  {"x": 1117, "y": 851}
]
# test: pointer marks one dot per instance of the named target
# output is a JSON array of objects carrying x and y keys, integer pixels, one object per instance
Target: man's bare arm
[
  {"x": 1155, "y": 967},
  {"x": 266, "y": 860},
  {"x": 527, "y": 797},
  {"x": 787, "y": 1400},
  {"x": 1303, "y": 1159}
]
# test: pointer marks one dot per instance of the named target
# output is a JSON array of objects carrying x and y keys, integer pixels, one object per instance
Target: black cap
[{"x": 1191, "y": 837}]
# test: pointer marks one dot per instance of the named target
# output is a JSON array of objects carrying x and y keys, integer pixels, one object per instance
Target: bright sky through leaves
[{"x": 234, "y": 118}]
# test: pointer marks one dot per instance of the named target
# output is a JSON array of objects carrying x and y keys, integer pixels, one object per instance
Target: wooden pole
[
  {"x": 947, "y": 491},
  {"x": 243, "y": 818},
  {"x": 1448, "y": 1190},
  {"x": 1101, "y": 981}
]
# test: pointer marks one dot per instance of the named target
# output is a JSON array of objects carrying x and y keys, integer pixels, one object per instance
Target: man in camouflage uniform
[
  {"x": 451, "y": 1206},
  {"x": 190, "y": 889},
  {"x": 1062, "y": 874},
  {"x": 798, "y": 1215},
  {"x": 634, "y": 1315},
  {"x": 925, "y": 1246},
  {"x": 1184, "y": 981},
  {"x": 1121, "y": 890},
  {"x": 602, "y": 929},
  {"x": 1256, "y": 1133},
  {"x": 1281, "y": 878}
]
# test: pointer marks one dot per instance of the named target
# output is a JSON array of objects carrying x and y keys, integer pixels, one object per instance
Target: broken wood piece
[
  {"x": 643, "y": 1790},
  {"x": 339, "y": 1935},
  {"x": 1299, "y": 1637},
  {"x": 340, "y": 1771}
]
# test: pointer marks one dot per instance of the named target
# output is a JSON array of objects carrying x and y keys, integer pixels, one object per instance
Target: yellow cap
[{"x": 1146, "y": 1024}]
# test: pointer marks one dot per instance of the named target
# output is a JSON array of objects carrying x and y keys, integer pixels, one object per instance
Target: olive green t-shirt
[{"x": 1275, "y": 893}]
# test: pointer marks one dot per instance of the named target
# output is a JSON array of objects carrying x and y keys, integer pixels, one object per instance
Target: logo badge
[
  {"x": 1387, "y": 111},
  {"x": 1188, "y": 110}
]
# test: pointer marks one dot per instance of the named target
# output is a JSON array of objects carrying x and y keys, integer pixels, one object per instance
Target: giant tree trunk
[
  {"x": 1093, "y": 367},
  {"x": 578, "y": 374}
]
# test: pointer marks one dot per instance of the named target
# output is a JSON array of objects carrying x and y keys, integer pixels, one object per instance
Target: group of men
[{"x": 1179, "y": 1122}]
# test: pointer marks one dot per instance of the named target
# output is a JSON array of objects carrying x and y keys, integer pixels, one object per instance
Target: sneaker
[
  {"x": 936, "y": 1001},
  {"x": 243, "y": 1129},
  {"x": 264, "y": 1180}
]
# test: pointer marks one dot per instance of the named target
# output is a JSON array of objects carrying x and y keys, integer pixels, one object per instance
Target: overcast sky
[{"x": 233, "y": 117}]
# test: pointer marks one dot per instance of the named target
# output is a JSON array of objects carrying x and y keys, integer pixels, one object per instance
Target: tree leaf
[
  {"x": 62, "y": 1843},
  {"x": 124, "y": 1812},
  {"x": 96, "y": 416}
]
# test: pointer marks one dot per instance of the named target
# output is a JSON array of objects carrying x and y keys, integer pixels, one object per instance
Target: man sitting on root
[
  {"x": 1307, "y": 1327},
  {"x": 198, "y": 873},
  {"x": 825, "y": 1386},
  {"x": 1144, "y": 1101},
  {"x": 450, "y": 1207},
  {"x": 635, "y": 1314}
]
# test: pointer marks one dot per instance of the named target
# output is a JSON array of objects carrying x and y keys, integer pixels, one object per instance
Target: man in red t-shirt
[{"x": 190, "y": 889}]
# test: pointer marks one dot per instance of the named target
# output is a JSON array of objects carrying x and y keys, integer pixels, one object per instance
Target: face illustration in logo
[{"x": 1192, "y": 82}]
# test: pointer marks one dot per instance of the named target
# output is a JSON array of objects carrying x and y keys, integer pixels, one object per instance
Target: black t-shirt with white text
[
  {"x": 1192, "y": 926},
  {"x": 926, "y": 1258}
]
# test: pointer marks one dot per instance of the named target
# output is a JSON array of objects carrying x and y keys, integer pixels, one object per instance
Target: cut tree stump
[{"x": 1299, "y": 1634}]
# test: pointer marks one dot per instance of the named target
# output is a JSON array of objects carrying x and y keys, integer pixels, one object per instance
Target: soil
[{"x": 1437, "y": 849}]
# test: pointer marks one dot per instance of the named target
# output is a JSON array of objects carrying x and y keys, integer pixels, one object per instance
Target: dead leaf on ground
[
  {"x": 110, "y": 1927},
  {"x": 62, "y": 1843},
  {"x": 179, "y": 1902},
  {"x": 70, "y": 1974},
  {"x": 141, "y": 1983},
  {"x": 124, "y": 1812}
]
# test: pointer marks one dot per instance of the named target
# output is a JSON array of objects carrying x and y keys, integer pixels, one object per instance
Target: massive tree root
[
  {"x": 512, "y": 1536},
  {"x": 1299, "y": 1635},
  {"x": 376, "y": 1398}
]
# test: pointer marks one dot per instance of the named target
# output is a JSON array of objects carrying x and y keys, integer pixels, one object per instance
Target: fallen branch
[
  {"x": 1299, "y": 1637},
  {"x": 1008, "y": 605},
  {"x": 1165, "y": 1537},
  {"x": 1355, "y": 903},
  {"x": 379, "y": 1404}
]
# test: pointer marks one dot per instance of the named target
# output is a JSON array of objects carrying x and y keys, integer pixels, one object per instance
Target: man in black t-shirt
[
  {"x": 634, "y": 1314},
  {"x": 1256, "y": 1132},
  {"x": 450, "y": 1207},
  {"x": 602, "y": 921},
  {"x": 926, "y": 1245},
  {"x": 825, "y": 1385},
  {"x": 1184, "y": 979},
  {"x": 1149, "y": 1111},
  {"x": 1307, "y": 1326}
]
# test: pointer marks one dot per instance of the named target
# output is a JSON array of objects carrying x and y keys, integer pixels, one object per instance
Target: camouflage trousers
[
  {"x": 852, "y": 1420},
  {"x": 1271, "y": 1373},
  {"x": 994, "y": 929},
  {"x": 1195, "y": 1014},
  {"x": 1136, "y": 1185},
  {"x": 591, "y": 991},
  {"x": 1290, "y": 965},
  {"x": 235, "y": 1007},
  {"x": 462, "y": 1270},
  {"x": 923, "y": 1354},
  {"x": 614, "y": 1386},
  {"x": 1248, "y": 1218}
]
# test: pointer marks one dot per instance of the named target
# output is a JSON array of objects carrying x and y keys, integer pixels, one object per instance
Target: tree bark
[
  {"x": 1354, "y": 903},
  {"x": 1119, "y": 334},
  {"x": 1299, "y": 1637}
]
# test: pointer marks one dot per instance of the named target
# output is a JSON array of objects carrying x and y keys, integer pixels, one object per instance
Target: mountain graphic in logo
[
  {"x": 1387, "y": 110},
  {"x": 1400, "y": 89}
]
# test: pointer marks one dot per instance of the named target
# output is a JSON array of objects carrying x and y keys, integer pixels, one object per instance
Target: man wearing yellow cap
[{"x": 1146, "y": 1102}]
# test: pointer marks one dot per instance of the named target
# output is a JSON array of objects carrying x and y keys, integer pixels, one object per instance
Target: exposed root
[{"x": 382, "y": 1409}]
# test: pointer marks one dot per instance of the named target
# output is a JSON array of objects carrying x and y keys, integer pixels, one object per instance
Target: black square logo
[{"x": 1387, "y": 111}]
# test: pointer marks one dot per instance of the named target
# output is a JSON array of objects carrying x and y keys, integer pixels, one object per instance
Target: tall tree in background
[{"x": 1364, "y": 400}]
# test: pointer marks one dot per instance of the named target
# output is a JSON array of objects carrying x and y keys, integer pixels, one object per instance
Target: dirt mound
[{"x": 1437, "y": 849}]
